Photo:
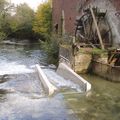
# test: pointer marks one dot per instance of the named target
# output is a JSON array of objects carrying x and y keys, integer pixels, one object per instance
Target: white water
[
  {"x": 21, "y": 94},
  {"x": 59, "y": 81},
  {"x": 19, "y": 65},
  {"x": 13, "y": 68}
]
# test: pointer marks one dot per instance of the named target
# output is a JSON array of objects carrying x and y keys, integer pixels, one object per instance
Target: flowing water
[
  {"x": 101, "y": 103},
  {"x": 22, "y": 96}
]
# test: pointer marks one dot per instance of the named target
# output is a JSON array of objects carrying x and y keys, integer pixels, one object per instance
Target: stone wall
[
  {"x": 82, "y": 62},
  {"x": 116, "y": 3},
  {"x": 79, "y": 62},
  {"x": 106, "y": 71}
]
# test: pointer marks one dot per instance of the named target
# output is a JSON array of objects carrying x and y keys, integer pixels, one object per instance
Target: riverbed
[{"x": 22, "y": 96}]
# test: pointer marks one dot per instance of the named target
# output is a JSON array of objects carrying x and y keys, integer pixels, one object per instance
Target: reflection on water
[{"x": 102, "y": 103}]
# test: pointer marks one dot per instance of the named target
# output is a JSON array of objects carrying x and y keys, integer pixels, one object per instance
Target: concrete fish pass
[{"x": 65, "y": 72}]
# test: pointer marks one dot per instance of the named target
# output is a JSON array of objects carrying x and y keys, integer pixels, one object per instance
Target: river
[{"x": 22, "y": 96}]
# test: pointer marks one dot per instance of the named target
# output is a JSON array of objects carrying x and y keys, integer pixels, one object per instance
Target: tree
[
  {"x": 3, "y": 6},
  {"x": 43, "y": 19},
  {"x": 4, "y": 15},
  {"x": 21, "y": 22}
]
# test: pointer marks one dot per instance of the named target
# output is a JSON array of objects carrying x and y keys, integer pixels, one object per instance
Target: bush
[
  {"x": 2, "y": 36},
  {"x": 51, "y": 47}
]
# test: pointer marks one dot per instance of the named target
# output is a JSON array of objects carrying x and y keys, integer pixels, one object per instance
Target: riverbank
[{"x": 89, "y": 60}]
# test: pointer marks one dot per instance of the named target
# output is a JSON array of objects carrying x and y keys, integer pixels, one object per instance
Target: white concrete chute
[
  {"x": 66, "y": 72},
  {"x": 49, "y": 88}
]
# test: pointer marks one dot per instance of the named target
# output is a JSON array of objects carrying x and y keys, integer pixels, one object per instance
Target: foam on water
[
  {"x": 14, "y": 68},
  {"x": 17, "y": 61}
]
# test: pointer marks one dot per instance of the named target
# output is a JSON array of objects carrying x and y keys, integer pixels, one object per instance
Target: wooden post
[
  {"x": 98, "y": 31},
  {"x": 63, "y": 23}
]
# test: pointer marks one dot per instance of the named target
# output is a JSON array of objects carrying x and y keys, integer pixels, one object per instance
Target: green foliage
[
  {"x": 24, "y": 23},
  {"x": 3, "y": 5},
  {"x": 43, "y": 19},
  {"x": 24, "y": 16},
  {"x": 51, "y": 47},
  {"x": 98, "y": 51},
  {"x": 92, "y": 51},
  {"x": 4, "y": 15},
  {"x": 2, "y": 36},
  {"x": 21, "y": 22}
]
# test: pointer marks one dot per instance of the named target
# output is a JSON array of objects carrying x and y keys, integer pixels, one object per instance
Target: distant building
[{"x": 64, "y": 15}]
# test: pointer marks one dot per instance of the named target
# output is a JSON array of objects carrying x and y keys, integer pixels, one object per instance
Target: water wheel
[{"x": 86, "y": 33}]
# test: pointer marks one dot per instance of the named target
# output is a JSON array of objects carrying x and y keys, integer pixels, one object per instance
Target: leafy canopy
[
  {"x": 43, "y": 18},
  {"x": 5, "y": 7},
  {"x": 22, "y": 21},
  {"x": 23, "y": 17}
]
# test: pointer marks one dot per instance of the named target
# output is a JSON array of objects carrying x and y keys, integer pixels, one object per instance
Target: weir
[
  {"x": 17, "y": 73},
  {"x": 49, "y": 88},
  {"x": 67, "y": 73}
]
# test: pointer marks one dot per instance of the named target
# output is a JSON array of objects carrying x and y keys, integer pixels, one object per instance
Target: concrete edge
[
  {"x": 86, "y": 86},
  {"x": 49, "y": 88}
]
